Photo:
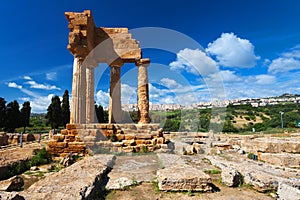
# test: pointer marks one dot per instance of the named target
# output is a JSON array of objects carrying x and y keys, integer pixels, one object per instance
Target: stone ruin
[{"x": 91, "y": 45}]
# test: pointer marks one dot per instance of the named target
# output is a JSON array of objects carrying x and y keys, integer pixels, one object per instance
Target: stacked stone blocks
[{"x": 109, "y": 137}]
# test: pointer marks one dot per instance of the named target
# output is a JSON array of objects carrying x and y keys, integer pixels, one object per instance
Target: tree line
[
  {"x": 58, "y": 112},
  {"x": 12, "y": 117}
]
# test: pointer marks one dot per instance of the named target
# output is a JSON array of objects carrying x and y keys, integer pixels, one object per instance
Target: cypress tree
[
  {"x": 54, "y": 113},
  {"x": 25, "y": 115},
  {"x": 2, "y": 112},
  {"x": 12, "y": 116},
  {"x": 65, "y": 109}
]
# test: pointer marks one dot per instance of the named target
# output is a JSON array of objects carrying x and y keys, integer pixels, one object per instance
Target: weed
[
  {"x": 57, "y": 168},
  {"x": 220, "y": 180},
  {"x": 155, "y": 186},
  {"x": 190, "y": 193},
  {"x": 134, "y": 181},
  {"x": 212, "y": 171},
  {"x": 144, "y": 149}
]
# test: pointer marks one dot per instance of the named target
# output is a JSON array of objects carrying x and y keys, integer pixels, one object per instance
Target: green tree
[
  {"x": 12, "y": 116},
  {"x": 99, "y": 113},
  {"x": 65, "y": 108},
  {"x": 54, "y": 113},
  {"x": 25, "y": 115},
  {"x": 2, "y": 112}
]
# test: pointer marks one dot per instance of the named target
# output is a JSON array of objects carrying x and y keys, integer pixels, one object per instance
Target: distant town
[{"x": 255, "y": 102}]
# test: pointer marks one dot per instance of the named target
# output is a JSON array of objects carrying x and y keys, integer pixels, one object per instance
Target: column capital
[
  {"x": 144, "y": 61},
  {"x": 79, "y": 57},
  {"x": 116, "y": 63}
]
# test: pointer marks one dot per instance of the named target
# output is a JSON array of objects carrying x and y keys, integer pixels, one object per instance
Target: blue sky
[{"x": 252, "y": 45}]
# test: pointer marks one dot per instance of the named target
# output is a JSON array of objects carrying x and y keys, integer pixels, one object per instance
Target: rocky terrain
[{"x": 228, "y": 167}]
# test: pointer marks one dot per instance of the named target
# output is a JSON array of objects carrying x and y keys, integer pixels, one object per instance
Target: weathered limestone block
[
  {"x": 231, "y": 177},
  {"x": 64, "y": 132},
  {"x": 53, "y": 144},
  {"x": 71, "y": 126},
  {"x": 59, "y": 138},
  {"x": 197, "y": 148},
  {"x": 128, "y": 149},
  {"x": 120, "y": 137},
  {"x": 128, "y": 142},
  {"x": 160, "y": 140},
  {"x": 118, "y": 144},
  {"x": 15, "y": 183},
  {"x": 183, "y": 178},
  {"x": 89, "y": 174},
  {"x": 271, "y": 145},
  {"x": 189, "y": 150},
  {"x": 3, "y": 139},
  {"x": 281, "y": 159},
  {"x": 287, "y": 192},
  {"x": 29, "y": 137},
  {"x": 130, "y": 136},
  {"x": 11, "y": 196},
  {"x": 143, "y": 136}
]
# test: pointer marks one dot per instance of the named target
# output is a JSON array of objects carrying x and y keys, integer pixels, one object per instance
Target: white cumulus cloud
[
  {"x": 36, "y": 85},
  {"x": 14, "y": 85},
  {"x": 194, "y": 61},
  {"x": 27, "y": 78},
  {"x": 102, "y": 98},
  {"x": 265, "y": 79},
  {"x": 232, "y": 51},
  {"x": 170, "y": 83},
  {"x": 226, "y": 75},
  {"x": 51, "y": 76},
  {"x": 39, "y": 104},
  {"x": 128, "y": 94},
  {"x": 284, "y": 64}
]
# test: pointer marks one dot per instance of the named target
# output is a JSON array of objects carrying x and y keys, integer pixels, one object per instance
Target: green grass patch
[
  {"x": 155, "y": 186},
  {"x": 212, "y": 171}
]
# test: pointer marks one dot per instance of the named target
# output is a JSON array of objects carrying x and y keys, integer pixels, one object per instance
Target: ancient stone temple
[{"x": 114, "y": 46}]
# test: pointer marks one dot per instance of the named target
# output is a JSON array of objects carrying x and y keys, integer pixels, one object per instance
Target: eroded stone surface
[
  {"x": 183, "y": 178},
  {"x": 231, "y": 177},
  {"x": 79, "y": 181},
  {"x": 263, "y": 177},
  {"x": 15, "y": 183},
  {"x": 132, "y": 170},
  {"x": 288, "y": 192}
]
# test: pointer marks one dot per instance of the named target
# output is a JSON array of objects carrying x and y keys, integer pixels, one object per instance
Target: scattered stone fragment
[
  {"x": 79, "y": 181},
  {"x": 231, "y": 177},
  {"x": 122, "y": 183},
  {"x": 10, "y": 196},
  {"x": 68, "y": 160},
  {"x": 15, "y": 183},
  {"x": 287, "y": 192},
  {"x": 183, "y": 178}
]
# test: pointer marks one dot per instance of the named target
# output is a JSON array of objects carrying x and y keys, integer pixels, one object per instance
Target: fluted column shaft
[
  {"x": 115, "y": 110},
  {"x": 143, "y": 91},
  {"x": 78, "y": 106},
  {"x": 90, "y": 100}
]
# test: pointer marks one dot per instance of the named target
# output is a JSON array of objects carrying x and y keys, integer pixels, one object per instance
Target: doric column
[
  {"x": 115, "y": 110},
  {"x": 90, "y": 100},
  {"x": 78, "y": 105},
  {"x": 143, "y": 91}
]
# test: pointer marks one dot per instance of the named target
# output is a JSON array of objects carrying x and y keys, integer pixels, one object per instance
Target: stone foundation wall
[
  {"x": 107, "y": 138},
  {"x": 14, "y": 138}
]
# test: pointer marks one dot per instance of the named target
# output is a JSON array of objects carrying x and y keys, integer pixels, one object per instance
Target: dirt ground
[{"x": 17, "y": 153}]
